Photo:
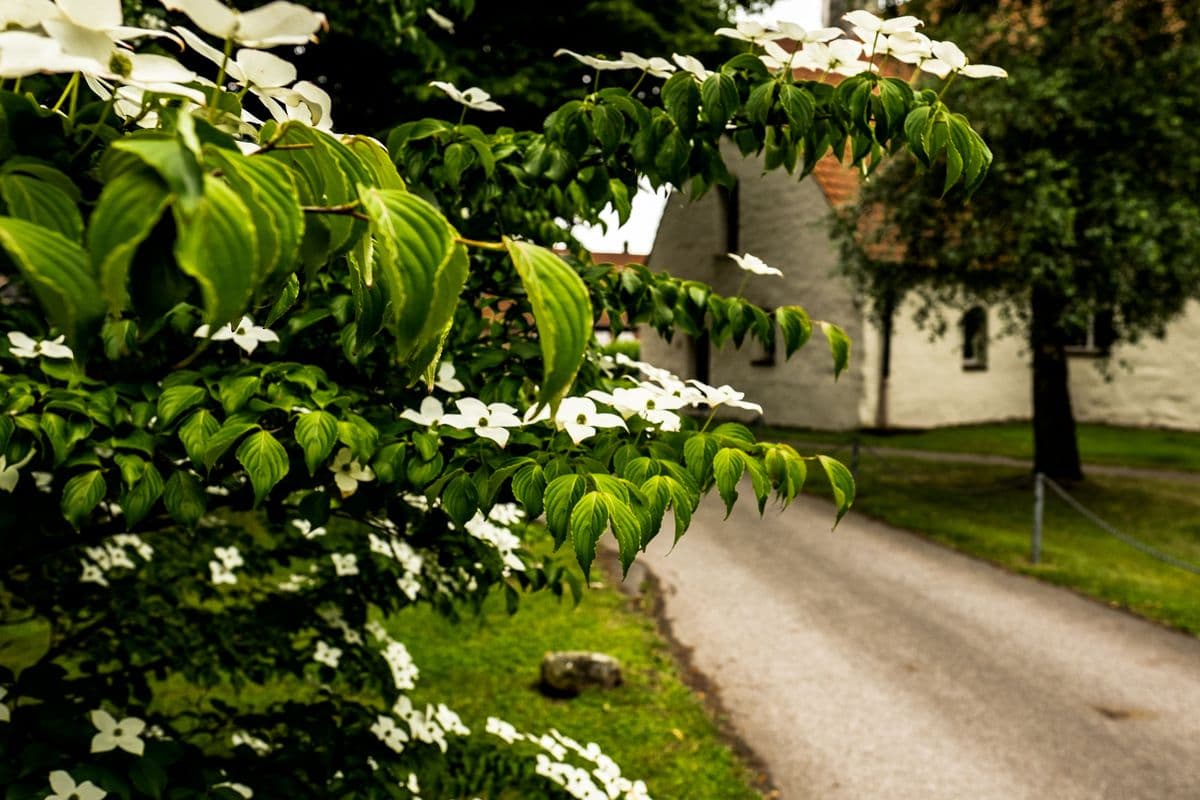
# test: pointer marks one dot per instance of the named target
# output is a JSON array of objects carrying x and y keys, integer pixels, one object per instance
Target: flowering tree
[{"x": 265, "y": 386}]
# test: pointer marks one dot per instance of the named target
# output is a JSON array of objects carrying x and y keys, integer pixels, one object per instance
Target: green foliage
[{"x": 422, "y": 391}]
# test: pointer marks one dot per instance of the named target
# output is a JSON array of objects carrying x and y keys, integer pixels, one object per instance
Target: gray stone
[{"x": 569, "y": 672}]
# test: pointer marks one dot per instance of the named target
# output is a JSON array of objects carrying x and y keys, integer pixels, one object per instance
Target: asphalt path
[{"x": 869, "y": 663}]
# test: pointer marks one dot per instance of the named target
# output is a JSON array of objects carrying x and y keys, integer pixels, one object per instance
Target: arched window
[{"x": 974, "y": 326}]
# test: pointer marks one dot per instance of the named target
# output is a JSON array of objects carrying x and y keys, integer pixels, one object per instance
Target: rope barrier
[{"x": 1133, "y": 542}]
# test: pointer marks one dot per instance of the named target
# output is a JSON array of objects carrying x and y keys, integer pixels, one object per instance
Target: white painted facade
[{"x": 785, "y": 222}]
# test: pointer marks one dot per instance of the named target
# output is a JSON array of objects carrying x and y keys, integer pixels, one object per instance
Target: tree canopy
[{"x": 1092, "y": 220}]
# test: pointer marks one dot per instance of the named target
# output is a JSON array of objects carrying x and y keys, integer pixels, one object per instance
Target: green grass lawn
[
  {"x": 987, "y": 512},
  {"x": 653, "y": 725},
  {"x": 1098, "y": 444}
]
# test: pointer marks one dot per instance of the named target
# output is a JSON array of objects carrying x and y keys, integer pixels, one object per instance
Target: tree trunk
[{"x": 1055, "y": 449}]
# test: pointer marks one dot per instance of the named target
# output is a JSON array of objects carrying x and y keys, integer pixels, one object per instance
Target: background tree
[
  {"x": 505, "y": 48},
  {"x": 1093, "y": 215}
]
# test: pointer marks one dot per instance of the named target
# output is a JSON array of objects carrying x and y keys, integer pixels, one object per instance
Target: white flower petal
[
  {"x": 97, "y": 15},
  {"x": 279, "y": 23},
  {"x": 983, "y": 71},
  {"x": 265, "y": 70}
]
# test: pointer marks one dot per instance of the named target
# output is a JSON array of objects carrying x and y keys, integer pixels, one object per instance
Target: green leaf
[
  {"x": 236, "y": 392},
  {"x": 289, "y": 293},
  {"x": 839, "y": 346},
  {"x": 176, "y": 400},
  {"x": 316, "y": 433},
  {"x": 529, "y": 487},
  {"x": 184, "y": 499},
  {"x": 460, "y": 499},
  {"x": 562, "y": 311},
  {"x": 375, "y": 159},
  {"x": 799, "y": 107},
  {"x": 265, "y": 461},
  {"x": 217, "y": 246},
  {"x": 42, "y": 203},
  {"x": 626, "y": 529},
  {"x": 359, "y": 435},
  {"x": 588, "y": 520},
  {"x": 698, "y": 453},
  {"x": 914, "y": 132},
  {"x": 268, "y": 189},
  {"x": 327, "y": 174},
  {"x": 728, "y": 466},
  {"x": 168, "y": 156},
  {"x": 195, "y": 433},
  {"x": 58, "y": 271},
  {"x": 82, "y": 494},
  {"x": 421, "y": 267},
  {"x": 609, "y": 126},
  {"x": 683, "y": 502},
  {"x": 719, "y": 96},
  {"x": 224, "y": 438},
  {"x": 148, "y": 777},
  {"x": 562, "y": 494},
  {"x": 795, "y": 326},
  {"x": 139, "y": 500},
  {"x": 758, "y": 105},
  {"x": 681, "y": 99},
  {"x": 954, "y": 166},
  {"x": 842, "y": 482},
  {"x": 129, "y": 208}
]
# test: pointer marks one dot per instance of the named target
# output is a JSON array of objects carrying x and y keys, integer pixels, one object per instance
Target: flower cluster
[
  {"x": 112, "y": 554},
  {"x": 826, "y": 50}
]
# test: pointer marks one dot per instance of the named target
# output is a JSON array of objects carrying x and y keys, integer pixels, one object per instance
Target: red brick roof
[{"x": 839, "y": 182}]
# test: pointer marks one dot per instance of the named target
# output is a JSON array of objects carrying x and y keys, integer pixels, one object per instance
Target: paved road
[{"x": 868, "y": 663}]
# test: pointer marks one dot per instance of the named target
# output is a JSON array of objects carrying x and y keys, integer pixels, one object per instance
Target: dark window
[
  {"x": 974, "y": 325},
  {"x": 731, "y": 206},
  {"x": 1094, "y": 339}
]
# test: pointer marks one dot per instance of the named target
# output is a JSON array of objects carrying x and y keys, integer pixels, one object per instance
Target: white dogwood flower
[
  {"x": 777, "y": 59},
  {"x": 442, "y": 22},
  {"x": 344, "y": 564},
  {"x": 259, "y": 746},
  {"x": 580, "y": 419},
  {"x": 505, "y": 730},
  {"x": 111, "y": 734},
  {"x": 597, "y": 63},
  {"x": 725, "y": 395},
  {"x": 386, "y": 730},
  {"x": 348, "y": 473},
  {"x": 751, "y": 31},
  {"x": 273, "y": 24},
  {"x": 307, "y": 530},
  {"x": 474, "y": 97},
  {"x": 65, "y": 788},
  {"x": 947, "y": 58},
  {"x": 754, "y": 264},
  {"x": 23, "y": 346},
  {"x": 655, "y": 66},
  {"x": 92, "y": 574},
  {"x": 5, "y": 714},
  {"x": 221, "y": 573},
  {"x": 693, "y": 65},
  {"x": 241, "y": 788},
  {"x": 430, "y": 414},
  {"x": 874, "y": 24},
  {"x": 10, "y": 474},
  {"x": 489, "y": 420},
  {"x": 802, "y": 35},
  {"x": 229, "y": 556},
  {"x": 446, "y": 380},
  {"x": 329, "y": 656},
  {"x": 655, "y": 407},
  {"x": 246, "y": 335},
  {"x": 841, "y": 57}
]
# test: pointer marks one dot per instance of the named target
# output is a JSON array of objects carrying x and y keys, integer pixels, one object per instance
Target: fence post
[{"x": 1039, "y": 502}]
